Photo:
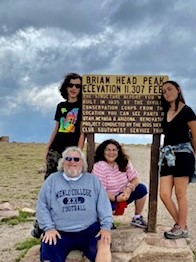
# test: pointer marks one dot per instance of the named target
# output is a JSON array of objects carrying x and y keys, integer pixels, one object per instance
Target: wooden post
[
  {"x": 153, "y": 186},
  {"x": 90, "y": 150}
]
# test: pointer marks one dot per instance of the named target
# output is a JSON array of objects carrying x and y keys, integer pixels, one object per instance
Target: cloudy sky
[{"x": 42, "y": 40}]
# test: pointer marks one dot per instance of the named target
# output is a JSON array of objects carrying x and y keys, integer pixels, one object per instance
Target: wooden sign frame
[{"x": 108, "y": 95}]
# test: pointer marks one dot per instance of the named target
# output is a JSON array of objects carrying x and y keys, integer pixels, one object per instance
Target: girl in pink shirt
[{"x": 120, "y": 179}]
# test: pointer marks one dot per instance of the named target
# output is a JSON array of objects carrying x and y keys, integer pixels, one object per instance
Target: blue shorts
[
  {"x": 84, "y": 241},
  {"x": 139, "y": 192}
]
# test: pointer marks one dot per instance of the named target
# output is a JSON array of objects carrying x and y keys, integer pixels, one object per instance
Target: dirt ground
[{"x": 11, "y": 235}]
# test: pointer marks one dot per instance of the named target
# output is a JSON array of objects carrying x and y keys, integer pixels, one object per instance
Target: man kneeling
[{"x": 74, "y": 212}]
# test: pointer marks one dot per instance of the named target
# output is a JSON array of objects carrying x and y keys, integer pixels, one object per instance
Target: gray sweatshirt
[{"x": 72, "y": 206}]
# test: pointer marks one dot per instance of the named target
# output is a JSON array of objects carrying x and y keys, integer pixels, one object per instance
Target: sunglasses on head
[
  {"x": 76, "y": 85},
  {"x": 69, "y": 159}
]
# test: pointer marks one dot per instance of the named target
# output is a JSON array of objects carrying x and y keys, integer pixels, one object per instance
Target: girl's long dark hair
[
  {"x": 165, "y": 104},
  {"x": 122, "y": 159},
  {"x": 65, "y": 83}
]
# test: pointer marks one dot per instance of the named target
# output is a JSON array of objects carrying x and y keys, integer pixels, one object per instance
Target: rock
[
  {"x": 6, "y": 206},
  {"x": 33, "y": 256},
  {"x": 122, "y": 239},
  {"x": 133, "y": 244},
  {"x": 4, "y": 138},
  {"x": 41, "y": 170},
  {"x": 29, "y": 210},
  {"x": 7, "y": 211},
  {"x": 8, "y": 214}
]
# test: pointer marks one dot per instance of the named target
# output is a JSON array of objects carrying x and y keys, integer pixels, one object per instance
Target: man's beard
[{"x": 72, "y": 173}]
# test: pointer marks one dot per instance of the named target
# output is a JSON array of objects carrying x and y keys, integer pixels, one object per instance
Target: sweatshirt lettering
[{"x": 74, "y": 192}]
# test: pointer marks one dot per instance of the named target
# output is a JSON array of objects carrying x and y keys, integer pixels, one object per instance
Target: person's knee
[
  {"x": 103, "y": 252},
  {"x": 164, "y": 195},
  {"x": 180, "y": 195},
  {"x": 52, "y": 252},
  {"x": 103, "y": 247},
  {"x": 141, "y": 190}
]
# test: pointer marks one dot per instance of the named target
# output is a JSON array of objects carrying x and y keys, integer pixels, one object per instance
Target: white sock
[{"x": 137, "y": 216}]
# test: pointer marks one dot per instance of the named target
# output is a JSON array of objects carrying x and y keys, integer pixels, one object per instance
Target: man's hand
[
  {"x": 51, "y": 236},
  {"x": 105, "y": 235}
]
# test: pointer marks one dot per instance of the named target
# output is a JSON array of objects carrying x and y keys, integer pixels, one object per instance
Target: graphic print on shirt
[
  {"x": 73, "y": 199},
  {"x": 67, "y": 123}
]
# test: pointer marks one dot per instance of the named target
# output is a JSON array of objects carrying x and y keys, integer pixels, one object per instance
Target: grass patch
[
  {"x": 22, "y": 161},
  {"x": 28, "y": 244},
  {"x": 25, "y": 246},
  {"x": 117, "y": 223},
  {"x": 22, "y": 218},
  {"x": 194, "y": 253}
]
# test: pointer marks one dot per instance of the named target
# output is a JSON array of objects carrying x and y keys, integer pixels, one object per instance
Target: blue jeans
[{"x": 139, "y": 192}]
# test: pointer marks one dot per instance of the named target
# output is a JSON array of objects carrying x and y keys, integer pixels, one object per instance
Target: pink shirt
[{"x": 113, "y": 180}]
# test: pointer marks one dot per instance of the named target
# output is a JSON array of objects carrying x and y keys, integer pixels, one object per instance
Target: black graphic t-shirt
[{"x": 69, "y": 117}]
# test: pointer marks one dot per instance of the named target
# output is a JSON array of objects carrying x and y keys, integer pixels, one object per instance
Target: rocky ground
[
  {"x": 140, "y": 156},
  {"x": 9, "y": 237}
]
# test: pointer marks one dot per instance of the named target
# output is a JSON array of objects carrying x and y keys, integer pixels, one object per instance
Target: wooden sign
[{"x": 123, "y": 104}]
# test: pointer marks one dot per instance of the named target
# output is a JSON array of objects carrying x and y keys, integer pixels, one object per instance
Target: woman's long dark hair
[
  {"x": 121, "y": 160},
  {"x": 165, "y": 104}
]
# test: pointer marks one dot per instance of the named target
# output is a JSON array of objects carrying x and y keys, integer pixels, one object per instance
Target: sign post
[{"x": 125, "y": 104}]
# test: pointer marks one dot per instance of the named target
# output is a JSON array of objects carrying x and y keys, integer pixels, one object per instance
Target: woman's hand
[
  {"x": 127, "y": 191},
  {"x": 124, "y": 196}
]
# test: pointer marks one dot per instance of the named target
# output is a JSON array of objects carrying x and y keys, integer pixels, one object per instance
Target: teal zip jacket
[{"x": 72, "y": 206}]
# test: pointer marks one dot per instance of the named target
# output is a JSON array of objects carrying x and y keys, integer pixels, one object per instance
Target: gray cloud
[
  {"x": 41, "y": 41},
  {"x": 75, "y": 16}
]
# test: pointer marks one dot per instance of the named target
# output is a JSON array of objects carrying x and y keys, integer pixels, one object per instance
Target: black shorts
[{"x": 184, "y": 166}]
